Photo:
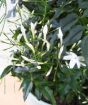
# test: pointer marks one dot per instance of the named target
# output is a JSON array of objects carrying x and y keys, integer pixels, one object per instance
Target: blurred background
[{"x": 9, "y": 86}]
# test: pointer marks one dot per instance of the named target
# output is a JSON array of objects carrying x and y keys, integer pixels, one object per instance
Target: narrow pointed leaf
[
  {"x": 85, "y": 48},
  {"x": 67, "y": 22},
  {"x": 6, "y": 71},
  {"x": 74, "y": 35},
  {"x": 48, "y": 93}
]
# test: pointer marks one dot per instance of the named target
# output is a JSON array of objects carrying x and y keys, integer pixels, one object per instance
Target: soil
[{"x": 74, "y": 102}]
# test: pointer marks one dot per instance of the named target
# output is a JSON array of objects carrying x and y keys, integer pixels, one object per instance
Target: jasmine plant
[{"x": 52, "y": 51}]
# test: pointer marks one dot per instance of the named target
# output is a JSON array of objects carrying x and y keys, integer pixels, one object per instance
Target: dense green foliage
[{"x": 56, "y": 30}]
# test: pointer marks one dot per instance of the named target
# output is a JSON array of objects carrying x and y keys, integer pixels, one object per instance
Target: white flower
[
  {"x": 45, "y": 31},
  {"x": 60, "y": 52},
  {"x": 33, "y": 30},
  {"x": 38, "y": 67},
  {"x": 60, "y": 35},
  {"x": 74, "y": 60},
  {"x": 23, "y": 30},
  {"x": 49, "y": 72}
]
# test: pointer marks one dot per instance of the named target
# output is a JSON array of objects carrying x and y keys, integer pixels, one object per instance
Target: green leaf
[
  {"x": 58, "y": 12},
  {"x": 85, "y": 48},
  {"x": 67, "y": 22},
  {"x": 54, "y": 23},
  {"x": 64, "y": 89},
  {"x": 85, "y": 14},
  {"x": 83, "y": 4},
  {"x": 27, "y": 87},
  {"x": 17, "y": 32},
  {"x": 6, "y": 71},
  {"x": 48, "y": 94},
  {"x": 38, "y": 93},
  {"x": 53, "y": 38},
  {"x": 74, "y": 35}
]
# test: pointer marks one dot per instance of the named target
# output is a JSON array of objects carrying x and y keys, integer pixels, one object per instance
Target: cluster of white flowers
[{"x": 73, "y": 59}]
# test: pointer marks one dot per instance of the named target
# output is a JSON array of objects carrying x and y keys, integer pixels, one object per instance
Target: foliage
[{"x": 52, "y": 55}]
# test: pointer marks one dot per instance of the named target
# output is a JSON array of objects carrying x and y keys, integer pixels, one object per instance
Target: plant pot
[{"x": 32, "y": 100}]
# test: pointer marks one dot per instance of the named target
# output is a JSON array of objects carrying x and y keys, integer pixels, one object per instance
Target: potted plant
[{"x": 51, "y": 58}]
